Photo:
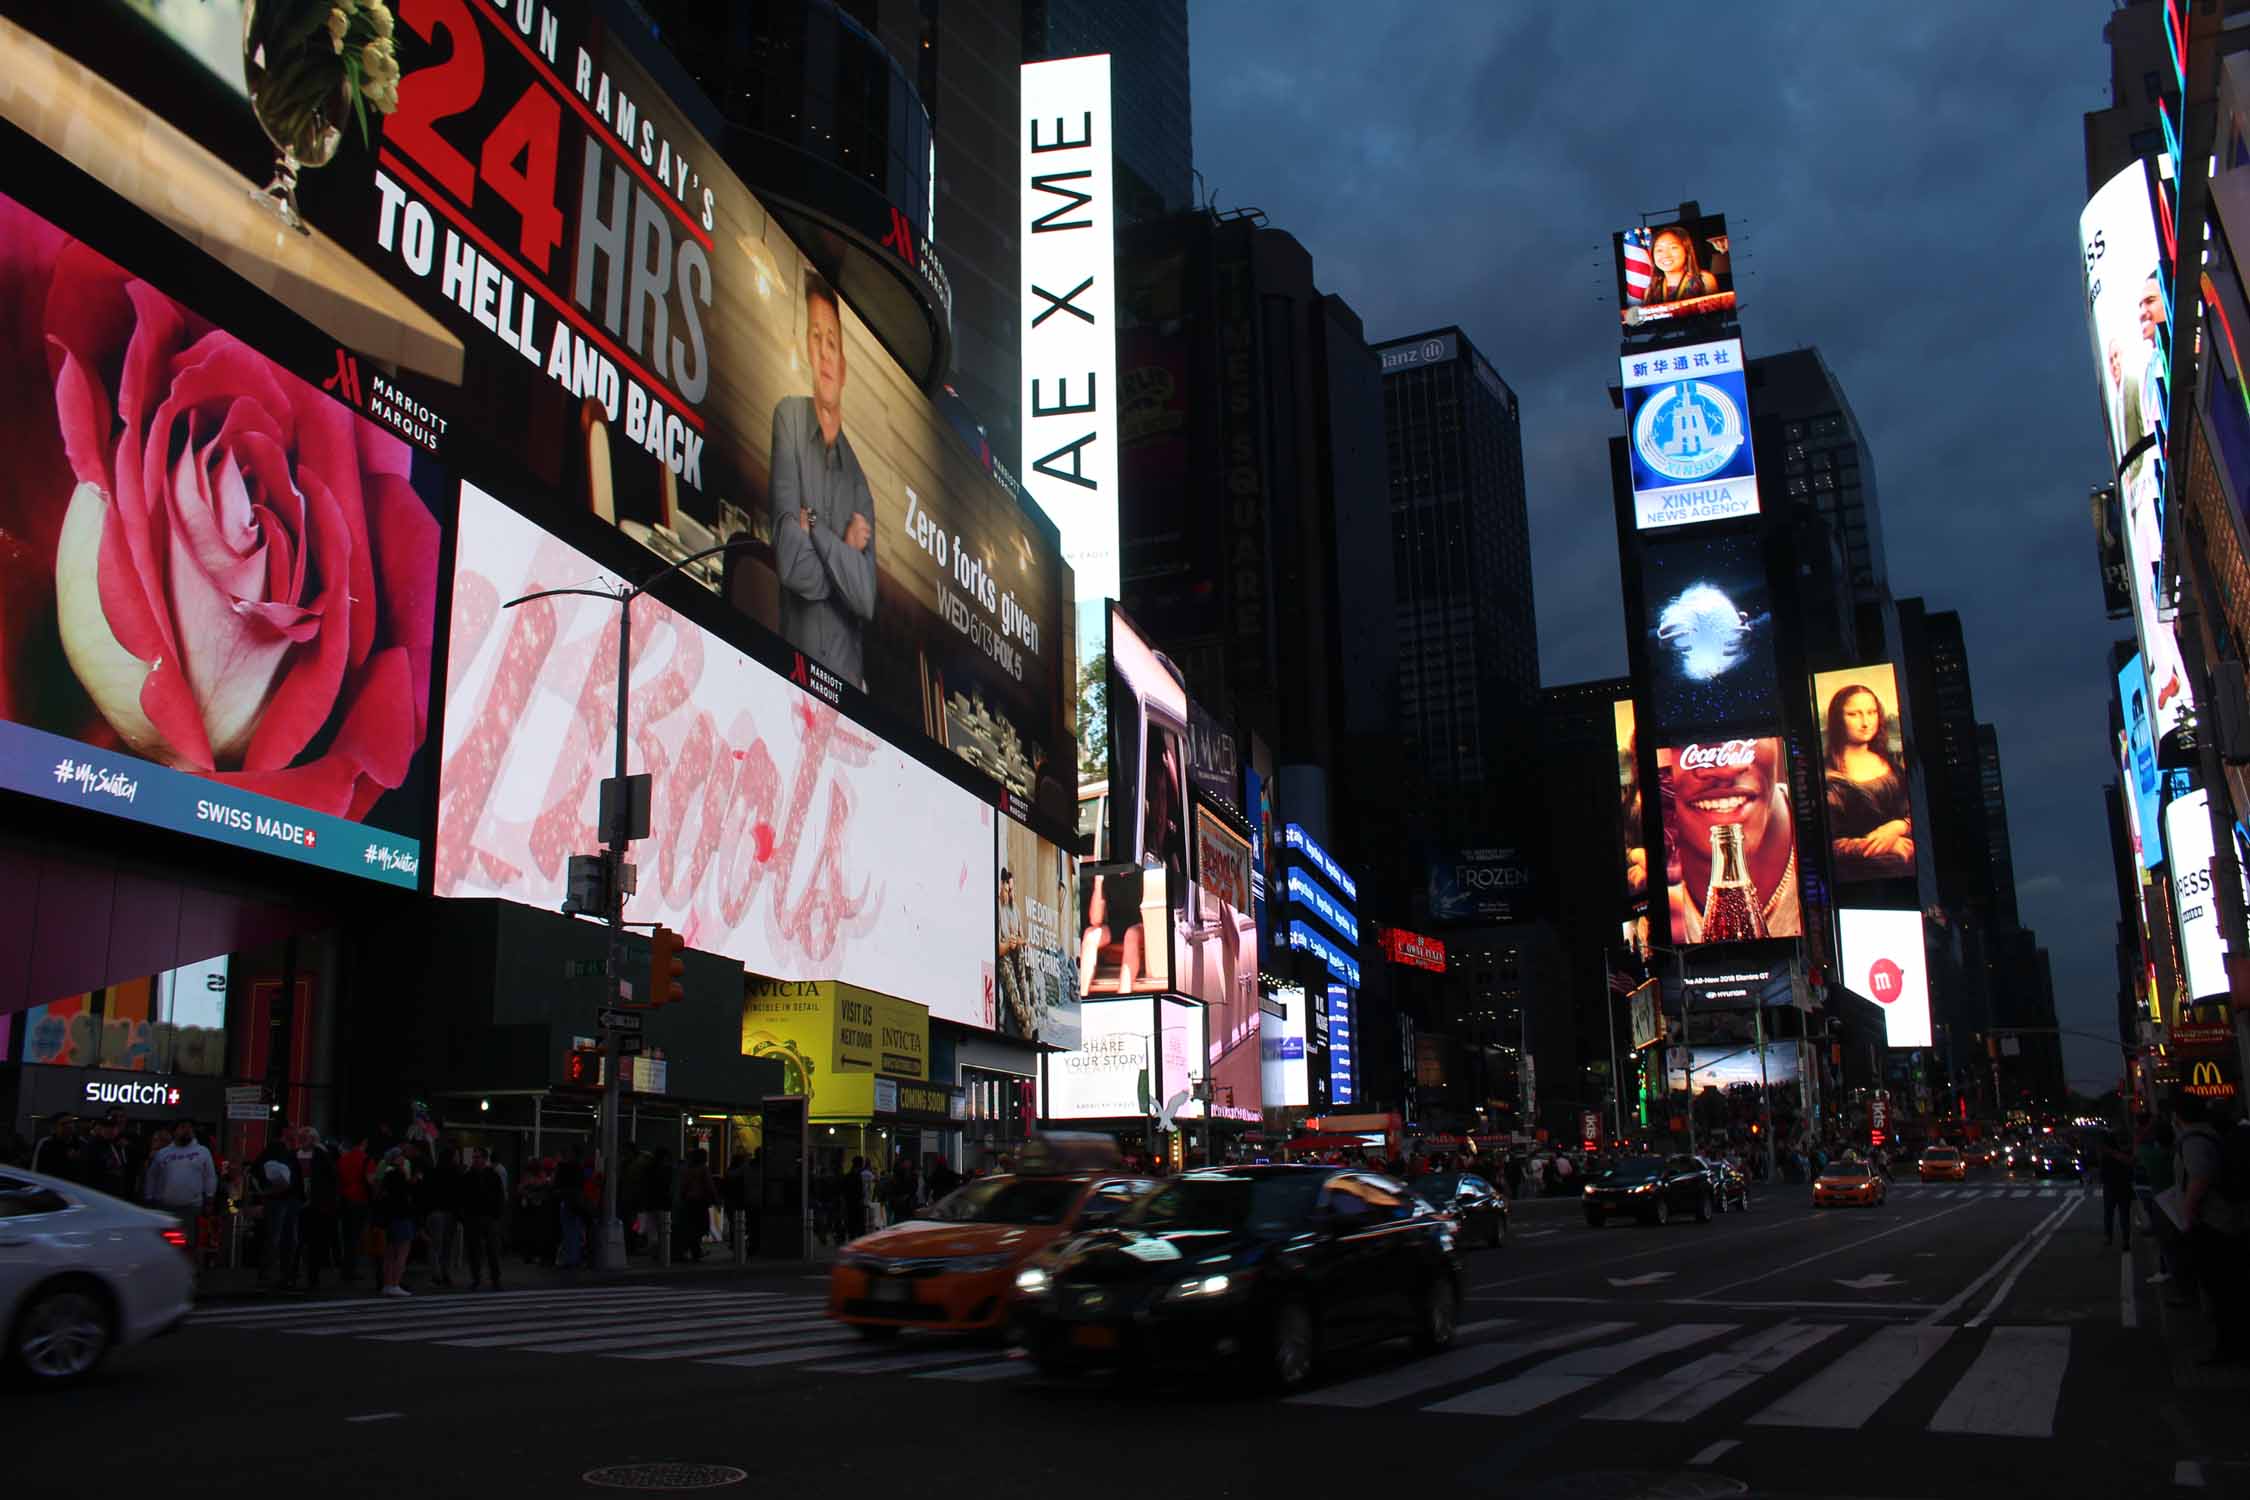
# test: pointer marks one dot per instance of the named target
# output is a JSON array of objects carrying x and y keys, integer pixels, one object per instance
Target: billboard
[
  {"x": 1863, "y": 758},
  {"x": 1281, "y": 1048},
  {"x": 1214, "y": 766},
  {"x": 1632, "y": 828},
  {"x": 784, "y": 835},
  {"x": 1479, "y": 885},
  {"x": 1645, "y": 1007},
  {"x": 2203, "y": 951},
  {"x": 1885, "y": 961},
  {"x": 832, "y": 1039},
  {"x": 1411, "y": 949},
  {"x": 1107, "y": 1076},
  {"x": 1069, "y": 312},
  {"x": 2170, "y": 696},
  {"x": 1035, "y": 951},
  {"x": 1687, "y": 424},
  {"x": 1215, "y": 959},
  {"x": 1301, "y": 843},
  {"x": 1148, "y": 754},
  {"x": 2144, "y": 785},
  {"x": 1709, "y": 617},
  {"x": 1343, "y": 1088},
  {"x": 625, "y": 318},
  {"x": 1120, "y": 909},
  {"x": 1670, "y": 271},
  {"x": 218, "y": 587},
  {"x": 1743, "y": 784}
]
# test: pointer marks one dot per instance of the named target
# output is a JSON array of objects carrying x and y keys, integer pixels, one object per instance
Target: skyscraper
[
  {"x": 1153, "y": 117},
  {"x": 1824, "y": 461},
  {"x": 2000, "y": 853}
]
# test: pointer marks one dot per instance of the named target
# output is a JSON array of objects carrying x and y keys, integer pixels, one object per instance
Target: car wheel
[
  {"x": 1499, "y": 1233},
  {"x": 61, "y": 1335},
  {"x": 1703, "y": 1209},
  {"x": 1437, "y": 1315},
  {"x": 1292, "y": 1346},
  {"x": 876, "y": 1333},
  {"x": 1595, "y": 1218},
  {"x": 1663, "y": 1213}
]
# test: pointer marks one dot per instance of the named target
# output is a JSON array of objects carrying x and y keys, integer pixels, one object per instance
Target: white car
[{"x": 82, "y": 1273}]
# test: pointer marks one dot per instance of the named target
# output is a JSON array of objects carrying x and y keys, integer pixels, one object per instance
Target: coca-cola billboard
[{"x": 1730, "y": 840}]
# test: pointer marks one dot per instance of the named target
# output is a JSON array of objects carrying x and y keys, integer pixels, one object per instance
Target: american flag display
[{"x": 1639, "y": 269}]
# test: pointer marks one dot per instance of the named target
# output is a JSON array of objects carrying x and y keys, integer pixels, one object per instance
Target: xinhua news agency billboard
[{"x": 1687, "y": 423}]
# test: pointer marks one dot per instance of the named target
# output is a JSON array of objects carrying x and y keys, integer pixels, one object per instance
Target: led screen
[
  {"x": 783, "y": 834},
  {"x": 1148, "y": 754},
  {"x": 1037, "y": 940},
  {"x": 218, "y": 587},
  {"x": 1863, "y": 755},
  {"x": 1343, "y": 1043},
  {"x": 1710, "y": 631},
  {"x": 1743, "y": 783},
  {"x": 1687, "y": 425},
  {"x": 1670, "y": 271},
  {"x": 2144, "y": 786},
  {"x": 1885, "y": 961},
  {"x": 1123, "y": 924},
  {"x": 1282, "y": 1046},
  {"x": 2203, "y": 952},
  {"x": 1215, "y": 959},
  {"x": 1632, "y": 832},
  {"x": 1106, "y": 1077}
]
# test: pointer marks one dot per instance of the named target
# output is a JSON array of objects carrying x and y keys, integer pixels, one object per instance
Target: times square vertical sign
[{"x": 1068, "y": 312}]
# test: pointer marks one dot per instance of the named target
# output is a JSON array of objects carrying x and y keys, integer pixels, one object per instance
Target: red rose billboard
[{"x": 217, "y": 586}]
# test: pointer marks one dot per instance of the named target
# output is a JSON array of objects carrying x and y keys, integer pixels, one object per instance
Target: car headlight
[
  {"x": 970, "y": 1265},
  {"x": 1033, "y": 1281},
  {"x": 1589, "y": 1190},
  {"x": 1646, "y": 1187},
  {"x": 1199, "y": 1288}
]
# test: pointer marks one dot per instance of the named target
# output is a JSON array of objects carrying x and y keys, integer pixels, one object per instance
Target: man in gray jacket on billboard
[{"x": 823, "y": 515}]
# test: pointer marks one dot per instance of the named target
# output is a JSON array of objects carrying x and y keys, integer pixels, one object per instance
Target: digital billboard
[
  {"x": 1411, "y": 950},
  {"x": 2170, "y": 696},
  {"x": 1479, "y": 885},
  {"x": 1036, "y": 950},
  {"x": 218, "y": 587},
  {"x": 1295, "y": 839},
  {"x": 1863, "y": 757},
  {"x": 1885, "y": 961},
  {"x": 2203, "y": 951},
  {"x": 1343, "y": 1043},
  {"x": 1632, "y": 835},
  {"x": 1710, "y": 628},
  {"x": 2144, "y": 785},
  {"x": 1148, "y": 758},
  {"x": 1124, "y": 922},
  {"x": 1068, "y": 311},
  {"x": 783, "y": 834},
  {"x": 1215, "y": 959},
  {"x": 1645, "y": 1008},
  {"x": 1687, "y": 426},
  {"x": 1670, "y": 271},
  {"x": 1730, "y": 839},
  {"x": 652, "y": 348},
  {"x": 1282, "y": 1047},
  {"x": 1107, "y": 1076}
]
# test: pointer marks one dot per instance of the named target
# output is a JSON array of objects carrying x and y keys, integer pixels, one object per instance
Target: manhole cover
[
  {"x": 665, "y": 1476},
  {"x": 1634, "y": 1484}
]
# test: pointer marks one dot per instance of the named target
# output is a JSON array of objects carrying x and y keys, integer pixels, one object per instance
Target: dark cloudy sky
[{"x": 1903, "y": 186}]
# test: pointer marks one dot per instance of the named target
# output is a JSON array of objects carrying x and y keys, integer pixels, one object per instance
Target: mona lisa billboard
[{"x": 1863, "y": 757}]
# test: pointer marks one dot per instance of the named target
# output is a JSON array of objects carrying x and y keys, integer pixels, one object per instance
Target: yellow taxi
[
  {"x": 953, "y": 1269},
  {"x": 1944, "y": 1164},
  {"x": 1848, "y": 1183}
]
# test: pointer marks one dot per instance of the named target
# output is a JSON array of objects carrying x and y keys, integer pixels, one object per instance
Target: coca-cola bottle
[{"x": 1730, "y": 909}]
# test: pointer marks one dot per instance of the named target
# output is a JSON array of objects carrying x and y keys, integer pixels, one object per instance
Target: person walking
[
  {"x": 316, "y": 1177},
  {"x": 104, "y": 1161},
  {"x": 855, "y": 1192},
  {"x": 691, "y": 1221},
  {"x": 570, "y": 1212},
  {"x": 484, "y": 1204},
  {"x": 2115, "y": 1168},
  {"x": 2152, "y": 1175},
  {"x": 60, "y": 1154},
  {"x": 182, "y": 1181},
  {"x": 657, "y": 1196},
  {"x": 279, "y": 1196},
  {"x": 441, "y": 1222},
  {"x": 2215, "y": 1209},
  {"x": 353, "y": 1168},
  {"x": 394, "y": 1195}
]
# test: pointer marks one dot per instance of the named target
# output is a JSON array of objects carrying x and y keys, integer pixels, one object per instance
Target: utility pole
[{"x": 626, "y": 820}]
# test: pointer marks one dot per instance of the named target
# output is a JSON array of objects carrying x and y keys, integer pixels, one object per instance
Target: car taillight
[{"x": 177, "y": 1239}]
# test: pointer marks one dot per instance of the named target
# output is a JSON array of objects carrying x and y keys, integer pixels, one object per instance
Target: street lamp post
[{"x": 617, "y": 836}]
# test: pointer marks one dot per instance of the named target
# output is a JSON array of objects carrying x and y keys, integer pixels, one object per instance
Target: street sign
[
  {"x": 585, "y": 968},
  {"x": 618, "y": 1020},
  {"x": 628, "y": 1044},
  {"x": 246, "y": 1102}
]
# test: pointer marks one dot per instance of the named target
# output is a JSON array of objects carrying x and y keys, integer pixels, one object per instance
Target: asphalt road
[{"x": 1944, "y": 1345}]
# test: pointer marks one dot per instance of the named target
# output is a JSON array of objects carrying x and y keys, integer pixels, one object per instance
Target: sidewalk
[{"x": 239, "y": 1284}]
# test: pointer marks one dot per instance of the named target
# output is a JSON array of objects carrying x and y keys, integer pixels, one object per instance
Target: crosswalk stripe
[
  {"x": 998, "y": 1369},
  {"x": 727, "y": 1346},
  {"x": 1568, "y": 1374},
  {"x": 1451, "y": 1367},
  {"x": 473, "y": 1339},
  {"x": 462, "y": 1319},
  {"x": 271, "y": 1312},
  {"x": 797, "y": 1356},
  {"x": 646, "y": 1338},
  {"x": 2021, "y": 1193},
  {"x": 1849, "y": 1391},
  {"x": 1687, "y": 1393},
  {"x": 889, "y": 1363},
  {"x": 2012, "y": 1388}
]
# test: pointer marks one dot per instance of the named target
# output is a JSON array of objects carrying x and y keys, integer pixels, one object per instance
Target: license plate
[
  {"x": 1094, "y": 1336},
  {"x": 893, "y": 1291}
]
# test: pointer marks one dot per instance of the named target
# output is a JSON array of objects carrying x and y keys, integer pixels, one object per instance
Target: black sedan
[
  {"x": 1268, "y": 1266},
  {"x": 1731, "y": 1187},
  {"x": 1474, "y": 1205},
  {"x": 1653, "y": 1189}
]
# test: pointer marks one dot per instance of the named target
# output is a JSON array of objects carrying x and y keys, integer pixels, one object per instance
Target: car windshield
[
  {"x": 1940, "y": 1153},
  {"x": 1635, "y": 1169},
  {"x": 1436, "y": 1187},
  {"x": 1260, "y": 1204},
  {"x": 1848, "y": 1169},
  {"x": 1010, "y": 1200}
]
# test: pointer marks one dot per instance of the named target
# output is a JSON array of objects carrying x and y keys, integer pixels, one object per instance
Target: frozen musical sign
[{"x": 1687, "y": 413}]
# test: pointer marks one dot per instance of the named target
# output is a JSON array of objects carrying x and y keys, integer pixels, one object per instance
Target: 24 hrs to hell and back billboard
[
  {"x": 217, "y": 585},
  {"x": 783, "y": 834},
  {"x": 649, "y": 346}
]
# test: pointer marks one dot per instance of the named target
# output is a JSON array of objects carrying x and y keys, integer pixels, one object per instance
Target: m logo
[
  {"x": 344, "y": 384},
  {"x": 2206, "y": 1081},
  {"x": 1885, "y": 981},
  {"x": 797, "y": 673},
  {"x": 900, "y": 240}
]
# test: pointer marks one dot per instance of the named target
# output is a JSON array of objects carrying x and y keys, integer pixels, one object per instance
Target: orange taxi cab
[
  {"x": 1944, "y": 1164},
  {"x": 953, "y": 1269},
  {"x": 1848, "y": 1183}
]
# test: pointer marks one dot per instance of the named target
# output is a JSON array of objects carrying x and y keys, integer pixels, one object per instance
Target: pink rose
[{"x": 244, "y": 581}]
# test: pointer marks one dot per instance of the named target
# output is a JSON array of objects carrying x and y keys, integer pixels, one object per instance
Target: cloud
[{"x": 1903, "y": 184}]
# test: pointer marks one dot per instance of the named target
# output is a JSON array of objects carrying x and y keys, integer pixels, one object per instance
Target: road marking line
[
  {"x": 549, "y": 1333},
  {"x": 2045, "y": 1233},
  {"x": 754, "y": 1361},
  {"x": 1450, "y": 1368},
  {"x": 643, "y": 1338},
  {"x": 274, "y": 1312},
  {"x": 1534, "y": 1234},
  {"x": 1568, "y": 1374},
  {"x": 1953, "y": 1304},
  {"x": 1915, "y": 1223},
  {"x": 883, "y": 1364},
  {"x": 1484, "y": 1325},
  {"x": 470, "y": 1320},
  {"x": 2129, "y": 1307},
  {"x": 2188, "y": 1473},
  {"x": 2012, "y": 1388},
  {"x": 1852, "y": 1389},
  {"x": 1000, "y": 1369},
  {"x": 402, "y": 1315},
  {"x": 377, "y": 1416},
  {"x": 1712, "y": 1454},
  {"x": 724, "y": 1346},
  {"x": 1687, "y": 1393}
]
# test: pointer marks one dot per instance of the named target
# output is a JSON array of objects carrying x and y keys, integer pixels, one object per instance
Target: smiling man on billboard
[{"x": 823, "y": 526}]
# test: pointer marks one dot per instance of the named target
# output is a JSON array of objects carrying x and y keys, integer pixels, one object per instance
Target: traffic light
[
  {"x": 665, "y": 967},
  {"x": 583, "y": 1069}
]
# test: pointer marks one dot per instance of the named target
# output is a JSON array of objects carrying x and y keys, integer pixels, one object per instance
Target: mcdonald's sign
[{"x": 2207, "y": 1080}]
